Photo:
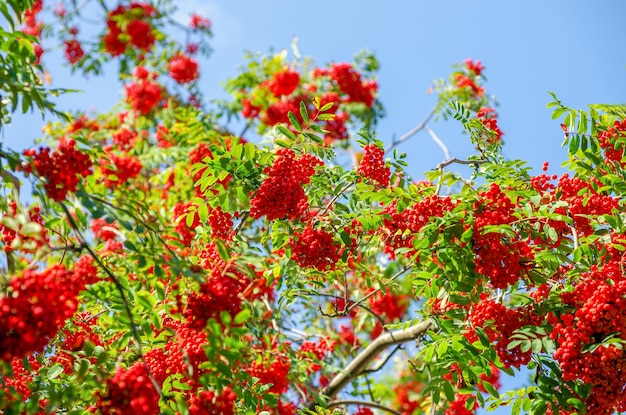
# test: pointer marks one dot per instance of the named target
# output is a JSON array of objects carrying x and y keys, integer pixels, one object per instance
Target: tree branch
[{"x": 363, "y": 359}]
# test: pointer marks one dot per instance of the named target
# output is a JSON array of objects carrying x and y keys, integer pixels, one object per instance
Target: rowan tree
[{"x": 270, "y": 254}]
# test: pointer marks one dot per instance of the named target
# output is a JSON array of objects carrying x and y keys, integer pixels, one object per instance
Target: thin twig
[
  {"x": 370, "y": 404},
  {"x": 412, "y": 132}
]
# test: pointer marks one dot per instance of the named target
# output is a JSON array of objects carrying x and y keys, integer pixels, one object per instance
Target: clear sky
[{"x": 574, "y": 48}]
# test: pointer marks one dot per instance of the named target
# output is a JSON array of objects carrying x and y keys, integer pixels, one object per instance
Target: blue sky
[{"x": 574, "y": 48}]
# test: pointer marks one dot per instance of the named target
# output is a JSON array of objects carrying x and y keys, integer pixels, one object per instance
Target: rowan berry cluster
[
  {"x": 185, "y": 233},
  {"x": 144, "y": 95},
  {"x": 212, "y": 403},
  {"x": 489, "y": 119},
  {"x": 391, "y": 306},
  {"x": 411, "y": 220},
  {"x": 499, "y": 322},
  {"x": 61, "y": 169},
  {"x": 197, "y": 21},
  {"x": 271, "y": 100},
  {"x": 583, "y": 201},
  {"x": 284, "y": 83},
  {"x": 73, "y": 51},
  {"x": 118, "y": 170},
  {"x": 373, "y": 166},
  {"x": 14, "y": 235},
  {"x": 32, "y": 26},
  {"x": 129, "y": 391},
  {"x": 314, "y": 248},
  {"x": 407, "y": 396},
  {"x": 458, "y": 405},
  {"x": 281, "y": 195},
  {"x": 129, "y": 26},
  {"x": 37, "y": 304},
  {"x": 503, "y": 259},
  {"x": 583, "y": 353},
  {"x": 124, "y": 139},
  {"x": 183, "y": 69},
  {"x": 220, "y": 293},
  {"x": 103, "y": 230},
  {"x": 612, "y": 142},
  {"x": 221, "y": 224},
  {"x": 349, "y": 82}
]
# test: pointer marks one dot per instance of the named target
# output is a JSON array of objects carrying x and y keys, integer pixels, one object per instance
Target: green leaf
[
  {"x": 517, "y": 406},
  {"x": 448, "y": 390},
  {"x": 303, "y": 112},
  {"x": 294, "y": 121},
  {"x": 55, "y": 371},
  {"x": 242, "y": 316},
  {"x": 285, "y": 131},
  {"x": 249, "y": 151}
]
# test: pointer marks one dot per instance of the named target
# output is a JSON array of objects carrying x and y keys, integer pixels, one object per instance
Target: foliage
[{"x": 171, "y": 265}]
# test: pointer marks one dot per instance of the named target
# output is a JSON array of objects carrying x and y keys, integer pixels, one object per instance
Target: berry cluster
[
  {"x": 503, "y": 259},
  {"x": 281, "y": 195},
  {"x": 271, "y": 100},
  {"x": 32, "y": 26},
  {"x": 129, "y": 26},
  {"x": 73, "y": 51},
  {"x": 349, "y": 82},
  {"x": 599, "y": 313},
  {"x": 220, "y": 293},
  {"x": 411, "y": 220},
  {"x": 14, "y": 234},
  {"x": 36, "y": 304},
  {"x": 185, "y": 233},
  {"x": 388, "y": 305},
  {"x": 488, "y": 118},
  {"x": 499, "y": 323},
  {"x": 183, "y": 69},
  {"x": 129, "y": 391},
  {"x": 274, "y": 371},
  {"x": 117, "y": 170},
  {"x": 284, "y": 83},
  {"x": 314, "y": 248},
  {"x": 61, "y": 169},
  {"x": 583, "y": 201},
  {"x": 103, "y": 230},
  {"x": 458, "y": 405},
  {"x": 373, "y": 167},
  {"x": 212, "y": 403},
  {"x": 407, "y": 396},
  {"x": 199, "y": 22},
  {"x": 221, "y": 224},
  {"x": 278, "y": 112},
  {"x": 145, "y": 94},
  {"x": 124, "y": 139},
  {"x": 612, "y": 142}
]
